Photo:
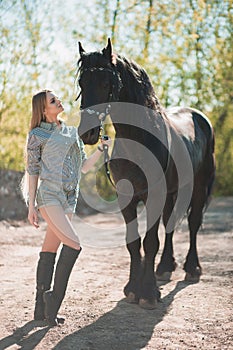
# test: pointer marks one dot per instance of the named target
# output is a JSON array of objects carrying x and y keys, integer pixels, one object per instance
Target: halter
[
  {"x": 115, "y": 73},
  {"x": 103, "y": 115}
]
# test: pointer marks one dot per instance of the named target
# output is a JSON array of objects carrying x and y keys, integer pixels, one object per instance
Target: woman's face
[{"x": 53, "y": 107}]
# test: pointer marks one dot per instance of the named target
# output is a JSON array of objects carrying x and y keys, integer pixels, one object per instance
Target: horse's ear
[
  {"x": 81, "y": 49},
  {"x": 107, "y": 51}
]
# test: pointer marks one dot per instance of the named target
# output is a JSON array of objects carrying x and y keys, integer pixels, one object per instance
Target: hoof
[
  {"x": 131, "y": 298},
  {"x": 145, "y": 304},
  {"x": 192, "y": 278},
  {"x": 166, "y": 276},
  {"x": 53, "y": 322},
  {"x": 61, "y": 320}
]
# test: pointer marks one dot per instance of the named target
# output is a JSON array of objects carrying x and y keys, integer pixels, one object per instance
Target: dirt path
[{"x": 190, "y": 316}]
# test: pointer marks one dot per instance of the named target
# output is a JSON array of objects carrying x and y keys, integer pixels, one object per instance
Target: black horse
[{"x": 162, "y": 158}]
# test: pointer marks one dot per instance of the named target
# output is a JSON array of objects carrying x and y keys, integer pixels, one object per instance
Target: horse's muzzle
[{"x": 91, "y": 136}]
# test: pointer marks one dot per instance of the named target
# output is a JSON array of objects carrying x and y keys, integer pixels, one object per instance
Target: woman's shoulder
[
  {"x": 37, "y": 136},
  {"x": 33, "y": 139},
  {"x": 34, "y": 131},
  {"x": 40, "y": 131}
]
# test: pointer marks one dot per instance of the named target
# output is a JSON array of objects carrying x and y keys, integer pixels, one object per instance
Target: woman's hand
[
  {"x": 107, "y": 142},
  {"x": 33, "y": 216},
  {"x": 88, "y": 163}
]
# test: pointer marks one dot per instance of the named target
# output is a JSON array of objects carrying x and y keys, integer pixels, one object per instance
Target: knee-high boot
[
  {"x": 44, "y": 276},
  {"x": 54, "y": 298}
]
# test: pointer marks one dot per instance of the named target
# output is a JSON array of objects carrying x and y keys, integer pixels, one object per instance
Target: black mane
[
  {"x": 137, "y": 82},
  {"x": 137, "y": 87}
]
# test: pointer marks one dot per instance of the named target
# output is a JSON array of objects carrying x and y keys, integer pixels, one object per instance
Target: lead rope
[
  {"x": 105, "y": 147},
  {"x": 106, "y": 161},
  {"x": 105, "y": 150}
]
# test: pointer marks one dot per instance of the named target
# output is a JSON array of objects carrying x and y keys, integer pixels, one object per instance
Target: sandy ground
[{"x": 190, "y": 316}]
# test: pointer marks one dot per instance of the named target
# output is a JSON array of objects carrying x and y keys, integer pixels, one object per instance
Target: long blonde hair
[{"x": 38, "y": 107}]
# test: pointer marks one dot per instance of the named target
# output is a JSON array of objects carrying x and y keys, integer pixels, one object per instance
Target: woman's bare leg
[
  {"x": 60, "y": 229},
  {"x": 51, "y": 241}
]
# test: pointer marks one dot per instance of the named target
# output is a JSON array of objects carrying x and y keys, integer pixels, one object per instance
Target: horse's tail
[{"x": 211, "y": 168}]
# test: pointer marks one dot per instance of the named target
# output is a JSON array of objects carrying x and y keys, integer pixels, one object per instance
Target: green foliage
[
  {"x": 185, "y": 46},
  {"x": 13, "y": 131}
]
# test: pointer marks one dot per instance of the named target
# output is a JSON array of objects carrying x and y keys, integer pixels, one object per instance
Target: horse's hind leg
[
  {"x": 192, "y": 266},
  {"x": 167, "y": 262}
]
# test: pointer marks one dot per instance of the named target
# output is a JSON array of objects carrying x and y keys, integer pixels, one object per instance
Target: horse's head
[{"x": 100, "y": 84}]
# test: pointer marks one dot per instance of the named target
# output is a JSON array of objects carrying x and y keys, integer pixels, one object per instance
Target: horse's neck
[
  {"x": 147, "y": 133},
  {"x": 129, "y": 131},
  {"x": 135, "y": 122}
]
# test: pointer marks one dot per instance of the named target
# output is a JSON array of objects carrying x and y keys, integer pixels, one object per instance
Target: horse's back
[
  {"x": 183, "y": 120},
  {"x": 196, "y": 131}
]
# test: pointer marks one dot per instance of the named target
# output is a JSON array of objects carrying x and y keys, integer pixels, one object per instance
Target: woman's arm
[
  {"x": 88, "y": 163},
  {"x": 32, "y": 211}
]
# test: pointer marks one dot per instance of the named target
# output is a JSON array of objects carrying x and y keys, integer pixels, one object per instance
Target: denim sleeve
[{"x": 33, "y": 155}]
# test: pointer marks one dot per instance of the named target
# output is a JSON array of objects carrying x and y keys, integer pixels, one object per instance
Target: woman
[{"x": 55, "y": 159}]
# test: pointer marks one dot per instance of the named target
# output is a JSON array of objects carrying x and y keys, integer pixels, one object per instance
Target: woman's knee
[{"x": 73, "y": 244}]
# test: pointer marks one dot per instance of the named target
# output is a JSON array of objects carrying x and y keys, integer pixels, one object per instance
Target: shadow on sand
[
  {"x": 22, "y": 337},
  {"x": 126, "y": 327}
]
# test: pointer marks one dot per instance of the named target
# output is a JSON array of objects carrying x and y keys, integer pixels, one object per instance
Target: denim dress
[{"x": 56, "y": 154}]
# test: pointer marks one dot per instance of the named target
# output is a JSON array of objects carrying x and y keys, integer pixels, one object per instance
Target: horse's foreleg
[
  {"x": 150, "y": 293},
  {"x": 132, "y": 288},
  {"x": 167, "y": 262},
  {"x": 133, "y": 243}
]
